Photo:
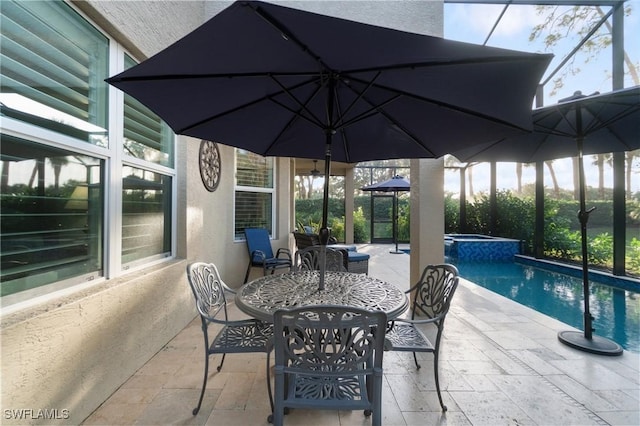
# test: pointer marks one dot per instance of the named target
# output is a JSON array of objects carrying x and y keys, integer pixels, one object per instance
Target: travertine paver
[{"x": 500, "y": 364}]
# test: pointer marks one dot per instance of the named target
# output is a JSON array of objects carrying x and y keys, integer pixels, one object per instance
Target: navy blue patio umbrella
[
  {"x": 395, "y": 184},
  {"x": 575, "y": 126},
  {"x": 283, "y": 82}
]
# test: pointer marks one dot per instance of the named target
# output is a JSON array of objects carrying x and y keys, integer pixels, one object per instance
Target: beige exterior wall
[{"x": 73, "y": 349}]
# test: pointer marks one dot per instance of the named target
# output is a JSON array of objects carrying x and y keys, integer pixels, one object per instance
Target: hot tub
[{"x": 480, "y": 247}]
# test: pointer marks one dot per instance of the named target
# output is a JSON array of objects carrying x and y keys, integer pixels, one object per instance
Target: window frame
[
  {"x": 255, "y": 189},
  {"x": 112, "y": 186}
]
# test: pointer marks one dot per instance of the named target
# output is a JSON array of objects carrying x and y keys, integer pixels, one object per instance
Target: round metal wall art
[{"x": 210, "y": 164}]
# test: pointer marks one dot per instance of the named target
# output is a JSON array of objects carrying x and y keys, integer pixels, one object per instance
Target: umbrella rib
[
  {"x": 359, "y": 95},
  {"x": 285, "y": 32},
  {"x": 296, "y": 114},
  {"x": 437, "y": 63},
  {"x": 303, "y": 106},
  {"x": 377, "y": 108},
  {"x": 288, "y": 35},
  {"x": 446, "y": 105},
  {"x": 326, "y": 70},
  {"x": 253, "y": 102},
  {"x": 595, "y": 125}
]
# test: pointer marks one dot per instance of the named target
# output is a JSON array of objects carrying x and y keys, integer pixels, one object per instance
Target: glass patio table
[{"x": 261, "y": 297}]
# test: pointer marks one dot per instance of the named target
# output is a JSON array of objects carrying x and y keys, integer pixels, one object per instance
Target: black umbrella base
[
  {"x": 595, "y": 345},
  {"x": 396, "y": 252}
]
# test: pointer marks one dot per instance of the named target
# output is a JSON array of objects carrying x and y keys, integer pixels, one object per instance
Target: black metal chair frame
[
  {"x": 261, "y": 252},
  {"x": 328, "y": 357},
  {"x": 309, "y": 258},
  {"x": 235, "y": 336},
  {"x": 432, "y": 300}
]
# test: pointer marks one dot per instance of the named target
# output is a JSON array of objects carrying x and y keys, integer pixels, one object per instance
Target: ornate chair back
[
  {"x": 233, "y": 336},
  {"x": 431, "y": 303},
  {"x": 328, "y": 357},
  {"x": 309, "y": 258}
]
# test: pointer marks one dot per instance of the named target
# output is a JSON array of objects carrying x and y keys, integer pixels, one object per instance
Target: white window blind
[
  {"x": 254, "y": 195},
  {"x": 52, "y": 66}
]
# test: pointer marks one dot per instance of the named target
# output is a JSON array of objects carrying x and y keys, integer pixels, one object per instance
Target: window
[
  {"x": 53, "y": 65},
  {"x": 57, "y": 152},
  {"x": 146, "y": 214},
  {"x": 145, "y": 136},
  {"x": 51, "y": 215},
  {"x": 146, "y": 192},
  {"x": 254, "y": 193}
]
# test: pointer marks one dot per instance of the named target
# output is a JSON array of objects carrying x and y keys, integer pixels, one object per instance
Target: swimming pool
[{"x": 616, "y": 311}]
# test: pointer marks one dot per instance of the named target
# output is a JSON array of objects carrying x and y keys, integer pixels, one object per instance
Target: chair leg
[
  {"x": 204, "y": 383},
  {"x": 435, "y": 372},
  {"x": 246, "y": 276},
  {"x": 221, "y": 362},
  {"x": 415, "y": 359},
  {"x": 269, "y": 382}
]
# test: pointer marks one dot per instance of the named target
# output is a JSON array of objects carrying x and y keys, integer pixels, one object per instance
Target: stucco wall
[
  {"x": 74, "y": 354},
  {"x": 72, "y": 351}
]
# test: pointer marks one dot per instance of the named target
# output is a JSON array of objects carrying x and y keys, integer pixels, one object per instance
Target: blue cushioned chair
[{"x": 261, "y": 253}]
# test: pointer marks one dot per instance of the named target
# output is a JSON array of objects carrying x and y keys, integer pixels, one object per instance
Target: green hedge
[{"x": 515, "y": 219}]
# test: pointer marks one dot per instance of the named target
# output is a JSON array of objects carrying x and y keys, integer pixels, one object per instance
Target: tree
[
  {"x": 554, "y": 179},
  {"x": 560, "y": 23}
]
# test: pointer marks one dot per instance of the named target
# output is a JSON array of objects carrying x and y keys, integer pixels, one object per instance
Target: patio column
[{"x": 427, "y": 215}]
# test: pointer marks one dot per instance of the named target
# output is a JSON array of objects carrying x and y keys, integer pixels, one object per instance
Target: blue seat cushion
[
  {"x": 354, "y": 256},
  {"x": 347, "y": 247}
]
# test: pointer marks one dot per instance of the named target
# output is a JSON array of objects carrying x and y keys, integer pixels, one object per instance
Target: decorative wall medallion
[{"x": 210, "y": 165}]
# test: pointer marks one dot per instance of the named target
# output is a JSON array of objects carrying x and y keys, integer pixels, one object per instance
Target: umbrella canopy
[
  {"x": 609, "y": 122},
  {"x": 395, "y": 184},
  {"x": 576, "y": 126},
  {"x": 284, "y": 82}
]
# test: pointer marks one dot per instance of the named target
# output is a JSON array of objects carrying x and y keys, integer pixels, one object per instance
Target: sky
[{"x": 473, "y": 23}]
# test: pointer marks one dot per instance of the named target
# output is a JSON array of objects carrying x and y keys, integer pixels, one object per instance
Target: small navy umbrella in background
[
  {"x": 575, "y": 126},
  {"x": 395, "y": 184},
  {"x": 284, "y": 82}
]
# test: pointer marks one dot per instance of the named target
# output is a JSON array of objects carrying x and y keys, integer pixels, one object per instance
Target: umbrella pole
[
  {"x": 395, "y": 222},
  {"x": 586, "y": 341},
  {"x": 324, "y": 232}
]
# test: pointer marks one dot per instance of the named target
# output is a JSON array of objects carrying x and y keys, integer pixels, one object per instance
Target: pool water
[{"x": 616, "y": 312}]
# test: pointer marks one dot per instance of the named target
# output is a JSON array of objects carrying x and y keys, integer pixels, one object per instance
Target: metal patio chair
[
  {"x": 237, "y": 336},
  {"x": 328, "y": 357},
  {"x": 309, "y": 258},
  {"x": 261, "y": 253},
  {"x": 433, "y": 294}
]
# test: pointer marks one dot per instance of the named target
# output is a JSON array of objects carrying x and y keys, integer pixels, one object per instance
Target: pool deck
[{"x": 500, "y": 364}]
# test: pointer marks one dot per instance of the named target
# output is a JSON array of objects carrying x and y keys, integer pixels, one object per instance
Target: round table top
[{"x": 261, "y": 297}]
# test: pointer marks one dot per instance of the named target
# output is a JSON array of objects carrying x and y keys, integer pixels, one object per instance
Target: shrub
[
  {"x": 633, "y": 255},
  {"x": 337, "y": 229},
  {"x": 601, "y": 250},
  {"x": 360, "y": 227}
]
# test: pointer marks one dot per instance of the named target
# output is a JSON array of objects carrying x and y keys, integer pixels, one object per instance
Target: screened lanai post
[
  {"x": 538, "y": 235},
  {"x": 619, "y": 158}
]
